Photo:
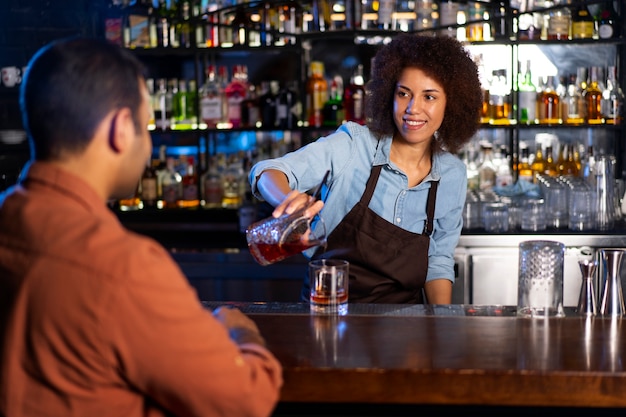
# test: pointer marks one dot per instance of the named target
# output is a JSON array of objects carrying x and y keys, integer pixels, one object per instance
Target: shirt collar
[
  {"x": 63, "y": 182},
  {"x": 381, "y": 157}
]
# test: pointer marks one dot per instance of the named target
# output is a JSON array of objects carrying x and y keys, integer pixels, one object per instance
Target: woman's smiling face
[{"x": 419, "y": 106}]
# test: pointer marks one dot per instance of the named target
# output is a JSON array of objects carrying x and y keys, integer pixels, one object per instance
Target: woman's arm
[
  {"x": 438, "y": 291},
  {"x": 274, "y": 187}
]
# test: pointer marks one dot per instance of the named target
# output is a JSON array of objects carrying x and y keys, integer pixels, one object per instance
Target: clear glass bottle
[
  {"x": 164, "y": 99},
  {"x": 499, "y": 99},
  {"x": 233, "y": 179},
  {"x": 448, "y": 11},
  {"x": 612, "y": 99},
  {"x": 559, "y": 22},
  {"x": 574, "y": 114},
  {"x": 527, "y": 97},
  {"x": 211, "y": 99},
  {"x": 212, "y": 185},
  {"x": 171, "y": 185},
  {"x": 486, "y": 168}
]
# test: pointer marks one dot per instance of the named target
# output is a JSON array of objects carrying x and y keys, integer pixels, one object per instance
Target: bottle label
[
  {"x": 211, "y": 108},
  {"x": 582, "y": 30},
  {"x": 149, "y": 189},
  {"x": 605, "y": 31}
]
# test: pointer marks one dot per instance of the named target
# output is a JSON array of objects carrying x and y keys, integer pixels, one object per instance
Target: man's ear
[{"x": 121, "y": 132}]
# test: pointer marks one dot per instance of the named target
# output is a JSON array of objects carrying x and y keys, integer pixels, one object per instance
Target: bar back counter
[
  {"x": 212, "y": 252},
  {"x": 415, "y": 360}
]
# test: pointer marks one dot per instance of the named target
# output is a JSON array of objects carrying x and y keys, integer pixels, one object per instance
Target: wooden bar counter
[{"x": 450, "y": 356}]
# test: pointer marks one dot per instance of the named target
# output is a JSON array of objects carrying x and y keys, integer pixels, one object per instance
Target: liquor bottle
[
  {"x": 504, "y": 175},
  {"x": 333, "y": 113},
  {"x": 190, "y": 196},
  {"x": 369, "y": 15},
  {"x": 403, "y": 17},
  {"x": 426, "y": 16},
  {"x": 573, "y": 111},
  {"x": 385, "y": 14},
  {"x": 608, "y": 22},
  {"x": 212, "y": 186},
  {"x": 114, "y": 23},
  {"x": 152, "y": 94},
  {"x": 171, "y": 185},
  {"x": 317, "y": 93},
  {"x": 287, "y": 107},
  {"x": 211, "y": 30},
  {"x": 448, "y": 11},
  {"x": 612, "y": 98},
  {"x": 559, "y": 23},
  {"x": 475, "y": 30},
  {"x": 179, "y": 107},
  {"x": 250, "y": 110},
  {"x": 163, "y": 105},
  {"x": 235, "y": 92},
  {"x": 499, "y": 99},
  {"x": 149, "y": 186},
  {"x": 233, "y": 179},
  {"x": 524, "y": 170},
  {"x": 186, "y": 38},
  {"x": 198, "y": 8},
  {"x": 527, "y": 97},
  {"x": 486, "y": 168},
  {"x": 568, "y": 166},
  {"x": 549, "y": 103},
  {"x": 160, "y": 170},
  {"x": 354, "y": 97},
  {"x": 539, "y": 163},
  {"x": 240, "y": 25},
  {"x": 192, "y": 103},
  {"x": 211, "y": 99},
  {"x": 583, "y": 25},
  {"x": 267, "y": 103},
  {"x": 550, "y": 167},
  {"x": 174, "y": 26},
  {"x": 163, "y": 25},
  {"x": 593, "y": 97}
]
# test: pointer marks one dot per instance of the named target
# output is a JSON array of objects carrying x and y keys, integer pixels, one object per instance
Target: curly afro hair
[{"x": 446, "y": 60}]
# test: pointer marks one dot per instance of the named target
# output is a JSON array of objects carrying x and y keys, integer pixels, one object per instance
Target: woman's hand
[{"x": 295, "y": 201}]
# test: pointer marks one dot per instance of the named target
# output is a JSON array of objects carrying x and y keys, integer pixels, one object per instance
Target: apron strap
[
  {"x": 370, "y": 186},
  {"x": 430, "y": 208}
]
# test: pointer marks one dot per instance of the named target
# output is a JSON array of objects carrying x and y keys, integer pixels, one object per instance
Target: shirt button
[{"x": 398, "y": 220}]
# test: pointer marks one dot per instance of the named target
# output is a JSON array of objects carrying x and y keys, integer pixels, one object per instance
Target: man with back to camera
[{"x": 96, "y": 320}]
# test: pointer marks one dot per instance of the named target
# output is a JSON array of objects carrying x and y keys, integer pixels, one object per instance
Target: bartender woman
[{"x": 395, "y": 193}]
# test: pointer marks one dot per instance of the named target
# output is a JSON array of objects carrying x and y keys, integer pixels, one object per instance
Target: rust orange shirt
[{"x": 98, "y": 321}]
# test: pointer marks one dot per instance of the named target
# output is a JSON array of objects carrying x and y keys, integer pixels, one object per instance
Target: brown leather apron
[{"x": 387, "y": 263}]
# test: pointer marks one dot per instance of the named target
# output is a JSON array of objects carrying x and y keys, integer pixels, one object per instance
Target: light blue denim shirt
[{"x": 349, "y": 153}]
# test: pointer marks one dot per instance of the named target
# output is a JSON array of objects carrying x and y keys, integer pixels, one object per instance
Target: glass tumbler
[{"x": 540, "y": 280}]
